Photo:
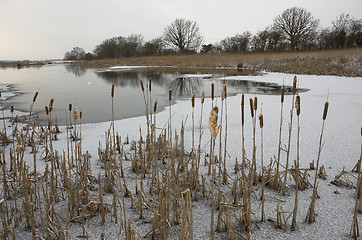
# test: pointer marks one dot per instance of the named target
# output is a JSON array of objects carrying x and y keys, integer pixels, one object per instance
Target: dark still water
[{"x": 89, "y": 89}]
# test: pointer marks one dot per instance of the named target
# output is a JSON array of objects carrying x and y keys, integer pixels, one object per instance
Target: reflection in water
[
  {"x": 253, "y": 87},
  {"x": 130, "y": 78},
  {"x": 186, "y": 86},
  {"x": 76, "y": 70}
]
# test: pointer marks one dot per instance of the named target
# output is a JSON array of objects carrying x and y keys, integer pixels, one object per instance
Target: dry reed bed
[
  {"x": 149, "y": 188},
  {"x": 344, "y": 62}
]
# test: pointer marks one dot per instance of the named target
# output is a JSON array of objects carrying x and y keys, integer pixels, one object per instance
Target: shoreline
[{"x": 344, "y": 62}]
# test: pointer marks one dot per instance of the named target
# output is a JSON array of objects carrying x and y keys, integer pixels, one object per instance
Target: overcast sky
[{"x": 46, "y": 29}]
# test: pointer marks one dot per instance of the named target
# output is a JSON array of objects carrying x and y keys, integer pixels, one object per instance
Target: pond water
[{"x": 89, "y": 89}]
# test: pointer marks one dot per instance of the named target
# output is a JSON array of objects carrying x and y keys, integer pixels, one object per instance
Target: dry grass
[{"x": 345, "y": 62}]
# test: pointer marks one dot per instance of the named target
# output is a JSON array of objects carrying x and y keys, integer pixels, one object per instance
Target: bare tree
[
  {"x": 340, "y": 30},
  {"x": 184, "y": 35},
  {"x": 298, "y": 25},
  {"x": 154, "y": 47},
  {"x": 131, "y": 46},
  {"x": 342, "y": 22},
  {"x": 355, "y": 36},
  {"x": 238, "y": 43},
  {"x": 77, "y": 53},
  {"x": 109, "y": 48}
]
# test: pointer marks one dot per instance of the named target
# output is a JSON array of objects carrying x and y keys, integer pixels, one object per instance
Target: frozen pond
[{"x": 89, "y": 90}]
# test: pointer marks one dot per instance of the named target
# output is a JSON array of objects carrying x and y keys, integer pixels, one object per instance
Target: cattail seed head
[
  {"x": 46, "y": 110},
  {"x": 112, "y": 91},
  {"x": 155, "y": 107},
  {"x": 255, "y": 105},
  {"x": 261, "y": 120},
  {"x": 223, "y": 94},
  {"x": 193, "y": 101},
  {"x": 143, "y": 89},
  {"x": 51, "y": 105},
  {"x": 35, "y": 96},
  {"x": 282, "y": 95},
  {"x": 242, "y": 109},
  {"x": 251, "y": 108},
  {"x": 75, "y": 114},
  {"x": 294, "y": 85},
  {"x": 325, "y": 110},
  {"x": 70, "y": 107},
  {"x": 212, "y": 91},
  {"x": 297, "y": 104},
  {"x": 169, "y": 94},
  {"x": 214, "y": 128},
  {"x": 12, "y": 109},
  {"x": 80, "y": 115},
  {"x": 149, "y": 84},
  {"x": 202, "y": 97}
]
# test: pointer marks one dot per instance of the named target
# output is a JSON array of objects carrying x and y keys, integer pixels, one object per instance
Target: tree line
[{"x": 294, "y": 29}]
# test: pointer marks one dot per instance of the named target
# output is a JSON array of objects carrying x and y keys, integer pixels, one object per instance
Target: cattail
[
  {"x": 193, "y": 101},
  {"x": 155, "y": 107},
  {"x": 297, "y": 104},
  {"x": 80, "y": 115},
  {"x": 255, "y": 106},
  {"x": 251, "y": 108},
  {"x": 70, "y": 107},
  {"x": 12, "y": 109},
  {"x": 202, "y": 97},
  {"x": 261, "y": 120},
  {"x": 75, "y": 114},
  {"x": 294, "y": 85},
  {"x": 169, "y": 94},
  {"x": 242, "y": 109},
  {"x": 46, "y": 110},
  {"x": 149, "y": 84},
  {"x": 214, "y": 129},
  {"x": 143, "y": 89},
  {"x": 35, "y": 96},
  {"x": 325, "y": 110},
  {"x": 282, "y": 96},
  {"x": 51, "y": 104},
  {"x": 212, "y": 91},
  {"x": 112, "y": 91},
  {"x": 223, "y": 94}
]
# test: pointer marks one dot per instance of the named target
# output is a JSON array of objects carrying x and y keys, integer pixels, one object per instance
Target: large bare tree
[
  {"x": 184, "y": 35},
  {"x": 298, "y": 25}
]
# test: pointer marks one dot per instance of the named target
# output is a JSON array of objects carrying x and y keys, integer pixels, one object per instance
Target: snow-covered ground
[{"x": 341, "y": 149}]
